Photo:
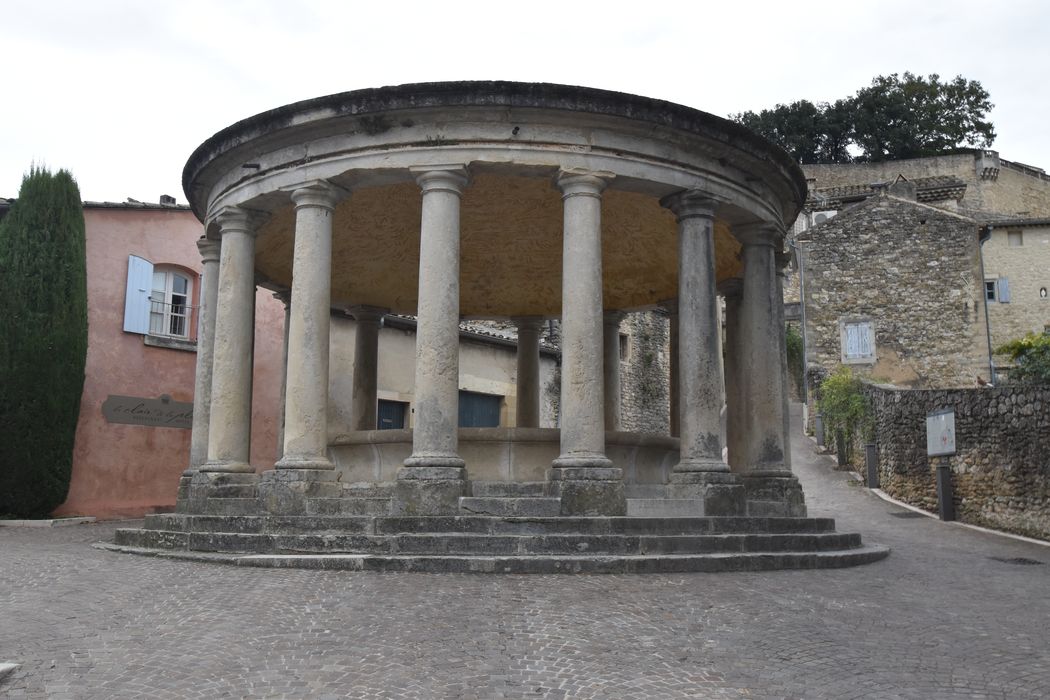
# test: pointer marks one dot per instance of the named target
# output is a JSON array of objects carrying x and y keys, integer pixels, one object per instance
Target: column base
[
  {"x": 285, "y": 491},
  {"x": 429, "y": 489},
  {"x": 227, "y": 467},
  {"x": 204, "y": 486},
  {"x": 318, "y": 463},
  {"x": 587, "y": 490},
  {"x": 774, "y": 495},
  {"x": 720, "y": 493}
]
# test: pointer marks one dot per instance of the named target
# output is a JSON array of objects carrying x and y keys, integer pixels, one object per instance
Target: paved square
[{"x": 940, "y": 618}]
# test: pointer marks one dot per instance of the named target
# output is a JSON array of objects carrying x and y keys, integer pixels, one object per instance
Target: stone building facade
[
  {"x": 891, "y": 289},
  {"x": 1000, "y": 472},
  {"x": 1017, "y": 277},
  {"x": 992, "y": 185},
  {"x": 978, "y": 290}
]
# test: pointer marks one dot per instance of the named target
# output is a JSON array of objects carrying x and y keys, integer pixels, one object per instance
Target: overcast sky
[{"x": 121, "y": 92}]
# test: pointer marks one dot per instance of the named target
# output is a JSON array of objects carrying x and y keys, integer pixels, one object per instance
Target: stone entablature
[{"x": 1000, "y": 470}]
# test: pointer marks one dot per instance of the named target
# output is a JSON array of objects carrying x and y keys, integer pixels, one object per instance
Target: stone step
[
  {"x": 368, "y": 489},
  {"x": 348, "y": 506},
  {"x": 509, "y": 489},
  {"x": 530, "y": 506},
  {"x": 543, "y": 564},
  {"x": 484, "y": 525},
  {"x": 482, "y": 545},
  {"x": 232, "y": 506},
  {"x": 664, "y": 507},
  {"x": 479, "y": 524}
]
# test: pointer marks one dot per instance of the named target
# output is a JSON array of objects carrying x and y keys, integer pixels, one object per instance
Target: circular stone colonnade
[{"x": 493, "y": 200}]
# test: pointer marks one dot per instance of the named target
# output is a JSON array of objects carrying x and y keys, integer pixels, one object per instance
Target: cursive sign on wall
[{"x": 156, "y": 413}]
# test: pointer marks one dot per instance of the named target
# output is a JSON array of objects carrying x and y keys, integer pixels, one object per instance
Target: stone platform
[{"x": 501, "y": 528}]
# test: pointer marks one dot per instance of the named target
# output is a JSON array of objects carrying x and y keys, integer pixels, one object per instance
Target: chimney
[{"x": 167, "y": 199}]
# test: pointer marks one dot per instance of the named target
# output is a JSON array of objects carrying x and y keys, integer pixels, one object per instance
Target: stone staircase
[{"x": 502, "y": 527}]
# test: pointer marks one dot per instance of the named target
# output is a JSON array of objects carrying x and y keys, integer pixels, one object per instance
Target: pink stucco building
[{"x": 143, "y": 272}]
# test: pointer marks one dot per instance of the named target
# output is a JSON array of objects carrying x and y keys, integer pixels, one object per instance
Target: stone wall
[
  {"x": 910, "y": 269},
  {"x": 1027, "y": 269},
  {"x": 994, "y": 186},
  {"x": 644, "y": 372},
  {"x": 1002, "y": 465}
]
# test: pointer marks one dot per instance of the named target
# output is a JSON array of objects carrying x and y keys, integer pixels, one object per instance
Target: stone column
[
  {"x": 230, "y": 422},
  {"x": 782, "y": 261},
  {"x": 732, "y": 291},
  {"x": 364, "y": 400},
  {"x": 700, "y": 473},
  {"x": 582, "y": 475},
  {"x": 306, "y": 397},
  {"x": 209, "y": 250},
  {"x": 285, "y": 298},
  {"x": 528, "y": 371},
  {"x": 673, "y": 421},
  {"x": 433, "y": 478},
  {"x": 771, "y": 487},
  {"x": 611, "y": 388}
]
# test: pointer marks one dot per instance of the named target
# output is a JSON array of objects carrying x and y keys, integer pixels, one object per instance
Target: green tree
[
  {"x": 811, "y": 133},
  {"x": 912, "y": 116},
  {"x": 43, "y": 341},
  {"x": 1031, "y": 356},
  {"x": 844, "y": 405},
  {"x": 895, "y": 117}
]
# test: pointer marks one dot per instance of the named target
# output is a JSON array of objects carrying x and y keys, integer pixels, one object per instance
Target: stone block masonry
[{"x": 1001, "y": 470}]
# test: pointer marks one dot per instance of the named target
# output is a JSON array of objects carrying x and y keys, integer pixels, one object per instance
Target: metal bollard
[
  {"x": 945, "y": 502},
  {"x": 818, "y": 429},
  {"x": 871, "y": 459},
  {"x": 840, "y": 447}
]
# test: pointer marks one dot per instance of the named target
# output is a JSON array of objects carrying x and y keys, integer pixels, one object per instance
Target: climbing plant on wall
[{"x": 43, "y": 341}]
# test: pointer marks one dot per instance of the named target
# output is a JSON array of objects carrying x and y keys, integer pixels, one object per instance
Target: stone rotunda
[{"x": 512, "y": 201}]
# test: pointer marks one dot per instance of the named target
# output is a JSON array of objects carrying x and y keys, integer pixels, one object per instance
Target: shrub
[
  {"x": 845, "y": 406},
  {"x": 1031, "y": 355}
]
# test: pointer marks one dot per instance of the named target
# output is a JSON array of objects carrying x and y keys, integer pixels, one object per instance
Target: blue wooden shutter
[
  {"x": 1004, "y": 290},
  {"x": 852, "y": 340},
  {"x": 865, "y": 332},
  {"x": 136, "y": 297}
]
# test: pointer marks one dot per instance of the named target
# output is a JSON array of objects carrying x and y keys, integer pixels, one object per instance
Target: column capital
[
  {"x": 209, "y": 249},
  {"x": 442, "y": 178},
  {"x": 237, "y": 219},
  {"x": 284, "y": 296},
  {"x": 579, "y": 182},
  {"x": 316, "y": 193},
  {"x": 363, "y": 313},
  {"x": 529, "y": 323},
  {"x": 763, "y": 233},
  {"x": 690, "y": 204},
  {"x": 731, "y": 288}
]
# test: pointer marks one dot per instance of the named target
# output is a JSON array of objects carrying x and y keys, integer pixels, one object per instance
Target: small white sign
[{"x": 940, "y": 433}]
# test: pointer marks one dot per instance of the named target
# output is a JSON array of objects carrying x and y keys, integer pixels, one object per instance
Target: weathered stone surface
[{"x": 1002, "y": 465}]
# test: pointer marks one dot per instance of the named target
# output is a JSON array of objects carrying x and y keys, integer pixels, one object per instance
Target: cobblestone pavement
[{"x": 940, "y": 618}]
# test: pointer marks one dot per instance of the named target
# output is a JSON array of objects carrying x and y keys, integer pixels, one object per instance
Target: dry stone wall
[{"x": 1001, "y": 470}]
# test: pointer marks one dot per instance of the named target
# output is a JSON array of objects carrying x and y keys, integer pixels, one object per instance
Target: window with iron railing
[{"x": 170, "y": 309}]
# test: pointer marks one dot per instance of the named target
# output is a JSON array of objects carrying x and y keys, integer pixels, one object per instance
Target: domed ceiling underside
[{"x": 511, "y": 248}]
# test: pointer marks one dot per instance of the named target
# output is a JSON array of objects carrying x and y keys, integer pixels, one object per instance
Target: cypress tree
[{"x": 43, "y": 341}]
